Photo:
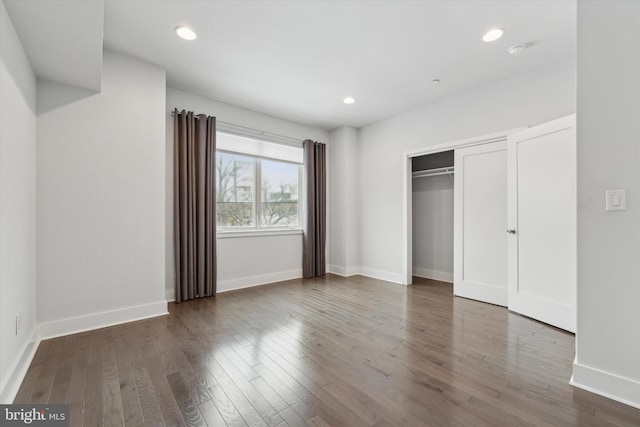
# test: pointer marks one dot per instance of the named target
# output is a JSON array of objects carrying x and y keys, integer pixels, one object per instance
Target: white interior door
[
  {"x": 480, "y": 219},
  {"x": 542, "y": 222}
]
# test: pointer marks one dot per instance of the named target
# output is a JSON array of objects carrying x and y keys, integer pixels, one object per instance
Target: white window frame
[{"x": 258, "y": 229}]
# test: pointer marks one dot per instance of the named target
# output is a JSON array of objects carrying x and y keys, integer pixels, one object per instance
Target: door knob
[{"x": 511, "y": 230}]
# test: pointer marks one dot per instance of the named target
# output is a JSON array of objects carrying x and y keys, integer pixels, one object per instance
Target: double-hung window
[{"x": 258, "y": 184}]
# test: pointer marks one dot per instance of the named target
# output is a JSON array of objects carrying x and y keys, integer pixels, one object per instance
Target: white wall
[
  {"x": 250, "y": 261},
  {"x": 528, "y": 99},
  {"x": 432, "y": 213},
  {"x": 608, "y": 126},
  {"x": 17, "y": 208},
  {"x": 344, "y": 212},
  {"x": 242, "y": 261},
  {"x": 100, "y": 195}
]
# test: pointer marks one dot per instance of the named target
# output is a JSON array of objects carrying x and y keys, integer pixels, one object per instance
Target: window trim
[{"x": 232, "y": 234}]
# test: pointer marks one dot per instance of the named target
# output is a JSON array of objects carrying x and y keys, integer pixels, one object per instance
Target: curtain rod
[{"x": 251, "y": 132}]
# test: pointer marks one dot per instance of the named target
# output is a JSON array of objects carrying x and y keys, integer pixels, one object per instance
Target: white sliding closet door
[
  {"x": 480, "y": 220},
  {"x": 542, "y": 222}
]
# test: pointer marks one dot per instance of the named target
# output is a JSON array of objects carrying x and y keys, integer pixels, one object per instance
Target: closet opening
[{"x": 432, "y": 216}]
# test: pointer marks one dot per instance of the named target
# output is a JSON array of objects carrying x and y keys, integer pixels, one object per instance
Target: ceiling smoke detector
[{"x": 516, "y": 50}]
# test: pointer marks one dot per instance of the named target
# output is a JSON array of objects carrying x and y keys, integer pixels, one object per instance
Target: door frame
[{"x": 407, "y": 188}]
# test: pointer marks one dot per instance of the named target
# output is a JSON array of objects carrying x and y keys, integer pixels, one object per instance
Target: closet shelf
[{"x": 433, "y": 172}]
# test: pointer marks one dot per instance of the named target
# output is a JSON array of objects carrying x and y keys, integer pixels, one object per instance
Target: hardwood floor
[{"x": 329, "y": 351}]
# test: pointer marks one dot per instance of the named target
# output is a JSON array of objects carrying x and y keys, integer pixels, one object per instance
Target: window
[
  {"x": 259, "y": 187},
  {"x": 279, "y": 205},
  {"x": 235, "y": 179}
]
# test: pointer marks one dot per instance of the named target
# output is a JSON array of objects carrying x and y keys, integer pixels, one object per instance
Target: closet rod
[{"x": 433, "y": 172}]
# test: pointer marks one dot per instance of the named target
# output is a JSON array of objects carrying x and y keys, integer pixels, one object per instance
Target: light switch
[{"x": 616, "y": 200}]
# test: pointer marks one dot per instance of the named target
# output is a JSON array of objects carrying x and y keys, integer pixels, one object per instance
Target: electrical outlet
[{"x": 18, "y": 322}]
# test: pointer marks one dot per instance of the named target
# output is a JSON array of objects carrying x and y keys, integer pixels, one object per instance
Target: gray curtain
[
  {"x": 315, "y": 218},
  {"x": 194, "y": 207}
]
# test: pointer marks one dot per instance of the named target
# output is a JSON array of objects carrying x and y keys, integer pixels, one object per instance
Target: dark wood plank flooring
[{"x": 329, "y": 351}]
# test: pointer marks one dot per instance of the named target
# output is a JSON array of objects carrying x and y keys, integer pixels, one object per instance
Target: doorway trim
[{"x": 407, "y": 188}]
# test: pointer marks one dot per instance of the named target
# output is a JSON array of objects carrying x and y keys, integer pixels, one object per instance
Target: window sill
[{"x": 257, "y": 233}]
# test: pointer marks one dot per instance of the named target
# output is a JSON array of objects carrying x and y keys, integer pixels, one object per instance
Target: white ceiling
[
  {"x": 62, "y": 38},
  {"x": 299, "y": 59}
]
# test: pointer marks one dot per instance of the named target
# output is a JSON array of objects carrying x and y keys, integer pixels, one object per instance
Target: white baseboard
[
  {"x": 262, "y": 279},
  {"x": 11, "y": 384},
  {"x": 170, "y": 295},
  {"x": 425, "y": 273},
  {"x": 343, "y": 271},
  {"x": 104, "y": 319},
  {"x": 246, "y": 282},
  {"x": 612, "y": 386},
  {"x": 382, "y": 275}
]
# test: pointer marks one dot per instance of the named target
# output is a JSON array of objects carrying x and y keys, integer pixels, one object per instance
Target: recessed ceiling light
[
  {"x": 349, "y": 100},
  {"x": 516, "y": 50},
  {"x": 435, "y": 82},
  {"x": 186, "y": 33},
  {"x": 493, "y": 35}
]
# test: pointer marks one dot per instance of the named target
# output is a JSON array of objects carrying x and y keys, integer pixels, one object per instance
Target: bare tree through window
[
  {"x": 234, "y": 190},
  {"x": 280, "y": 182}
]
